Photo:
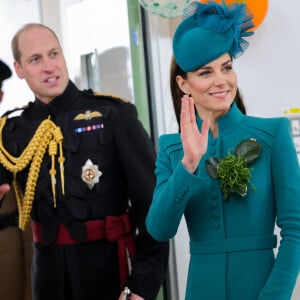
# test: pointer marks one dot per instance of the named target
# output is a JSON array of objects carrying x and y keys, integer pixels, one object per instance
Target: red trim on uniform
[{"x": 114, "y": 229}]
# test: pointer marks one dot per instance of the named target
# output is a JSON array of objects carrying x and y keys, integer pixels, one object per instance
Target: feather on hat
[{"x": 210, "y": 30}]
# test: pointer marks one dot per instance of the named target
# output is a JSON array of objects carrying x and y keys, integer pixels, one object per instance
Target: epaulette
[
  {"x": 92, "y": 93},
  {"x": 16, "y": 109}
]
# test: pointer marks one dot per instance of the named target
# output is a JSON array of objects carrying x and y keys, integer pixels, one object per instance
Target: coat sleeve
[
  {"x": 286, "y": 181},
  {"x": 137, "y": 154},
  {"x": 174, "y": 187}
]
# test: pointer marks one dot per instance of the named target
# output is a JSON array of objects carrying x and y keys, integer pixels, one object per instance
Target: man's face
[{"x": 42, "y": 63}]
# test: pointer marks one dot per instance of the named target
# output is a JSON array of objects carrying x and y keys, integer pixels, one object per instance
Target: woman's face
[{"x": 213, "y": 86}]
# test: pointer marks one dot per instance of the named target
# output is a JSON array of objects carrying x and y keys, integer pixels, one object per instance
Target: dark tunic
[
  {"x": 15, "y": 253},
  {"x": 113, "y": 140}
]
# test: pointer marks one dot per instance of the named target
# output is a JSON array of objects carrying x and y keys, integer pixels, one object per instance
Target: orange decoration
[{"x": 258, "y": 8}]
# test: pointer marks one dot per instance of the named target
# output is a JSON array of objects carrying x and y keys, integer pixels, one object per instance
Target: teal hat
[{"x": 209, "y": 30}]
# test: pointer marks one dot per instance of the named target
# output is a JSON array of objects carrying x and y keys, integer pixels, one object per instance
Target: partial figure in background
[
  {"x": 230, "y": 175},
  {"x": 82, "y": 166},
  {"x": 5, "y": 73},
  {"x": 15, "y": 244}
]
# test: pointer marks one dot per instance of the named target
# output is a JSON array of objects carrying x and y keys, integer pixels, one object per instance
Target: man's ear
[{"x": 18, "y": 69}]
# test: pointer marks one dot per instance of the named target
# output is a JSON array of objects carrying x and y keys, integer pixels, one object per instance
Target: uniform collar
[{"x": 59, "y": 104}]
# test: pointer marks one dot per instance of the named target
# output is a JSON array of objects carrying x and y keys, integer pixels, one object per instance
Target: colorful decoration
[
  {"x": 258, "y": 8},
  {"x": 175, "y": 8},
  {"x": 89, "y": 128},
  {"x": 90, "y": 174},
  {"x": 233, "y": 170},
  {"x": 165, "y": 8}
]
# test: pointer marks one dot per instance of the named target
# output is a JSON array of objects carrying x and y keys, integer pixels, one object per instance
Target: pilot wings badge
[{"x": 88, "y": 115}]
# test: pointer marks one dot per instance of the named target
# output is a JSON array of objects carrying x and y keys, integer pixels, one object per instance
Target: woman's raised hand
[{"x": 194, "y": 142}]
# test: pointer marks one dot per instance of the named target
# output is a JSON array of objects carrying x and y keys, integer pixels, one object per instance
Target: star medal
[{"x": 90, "y": 174}]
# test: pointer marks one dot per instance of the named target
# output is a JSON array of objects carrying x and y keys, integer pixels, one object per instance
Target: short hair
[{"x": 15, "y": 41}]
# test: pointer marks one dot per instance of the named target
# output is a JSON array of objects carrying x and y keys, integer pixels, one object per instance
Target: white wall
[
  {"x": 82, "y": 27},
  {"x": 268, "y": 72},
  {"x": 15, "y": 13},
  {"x": 268, "y": 75},
  {"x": 105, "y": 31}
]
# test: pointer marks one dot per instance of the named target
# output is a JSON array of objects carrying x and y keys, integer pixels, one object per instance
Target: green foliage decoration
[{"x": 232, "y": 170}]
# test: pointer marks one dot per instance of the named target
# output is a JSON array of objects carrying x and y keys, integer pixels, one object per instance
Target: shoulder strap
[{"x": 97, "y": 94}]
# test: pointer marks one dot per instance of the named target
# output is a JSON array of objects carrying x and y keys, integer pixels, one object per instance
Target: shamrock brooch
[{"x": 232, "y": 170}]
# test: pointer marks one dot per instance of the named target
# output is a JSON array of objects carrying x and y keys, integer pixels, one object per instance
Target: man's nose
[{"x": 48, "y": 65}]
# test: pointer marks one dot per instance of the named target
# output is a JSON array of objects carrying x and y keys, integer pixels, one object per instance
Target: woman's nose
[{"x": 219, "y": 79}]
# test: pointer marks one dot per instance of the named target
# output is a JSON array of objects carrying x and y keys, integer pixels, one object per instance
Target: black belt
[{"x": 9, "y": 220}]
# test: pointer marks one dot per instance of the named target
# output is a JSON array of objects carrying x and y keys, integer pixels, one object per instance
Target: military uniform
[
  {"x": 15, "y": 245},
  {"x": 108, "y": 172},
  {"x": 15, "y": 253}
]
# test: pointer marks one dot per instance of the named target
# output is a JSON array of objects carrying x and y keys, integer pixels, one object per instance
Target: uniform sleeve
[
  {"x": 5, "y": 177},
  {"x": 174, "y": 187},
  {"x": 286, "y": 180},
  {"x": 137, "y": 155}
]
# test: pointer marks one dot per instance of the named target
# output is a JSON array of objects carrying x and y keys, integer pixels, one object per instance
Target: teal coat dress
[{"x": 231, "y": 243}]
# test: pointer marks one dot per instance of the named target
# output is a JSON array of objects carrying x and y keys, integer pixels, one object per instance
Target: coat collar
[{"x": 227, "y": 122}]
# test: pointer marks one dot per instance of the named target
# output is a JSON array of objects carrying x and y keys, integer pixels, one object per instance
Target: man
[
  {"x": 83, "y": 168},
  {"x": 15, "y": 245}
]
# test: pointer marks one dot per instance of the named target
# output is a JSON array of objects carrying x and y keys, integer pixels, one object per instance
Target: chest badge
[
  {"x": 90, "y": 174},
  {"x": 88, "y": 115}
]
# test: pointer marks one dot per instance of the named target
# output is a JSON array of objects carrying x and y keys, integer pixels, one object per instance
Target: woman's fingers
[
  {"x": 205, "y": 127},
  {"x": 192, "y": 111}
]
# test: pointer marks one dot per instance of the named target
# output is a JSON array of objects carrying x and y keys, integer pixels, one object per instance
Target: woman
[{"x": 230, "y": 175}]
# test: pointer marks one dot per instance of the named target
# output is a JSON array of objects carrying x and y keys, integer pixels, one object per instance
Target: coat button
[
  {"x": 214, "y": 204},
  {"x": 181, "y": 194},
  {"x": 212, "y": 152},
  {"x": 213, "y": 142},
  {"x": 214, "y": 195},
  {"x": 215, "y": 214},
  {"x": 216, "y": 225}
]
